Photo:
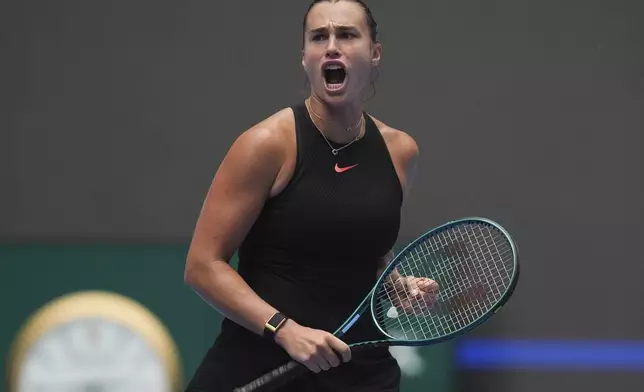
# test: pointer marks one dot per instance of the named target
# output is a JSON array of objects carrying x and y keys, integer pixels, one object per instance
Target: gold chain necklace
[{"x": 335, "y": 151}]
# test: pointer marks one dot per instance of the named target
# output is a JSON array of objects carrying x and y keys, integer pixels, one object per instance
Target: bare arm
[
  {"x": 239, "y": 190},
  {"x": 405, "y": 153},
  {"x": 384, "y": 262},
  {"x": 234, "y": 200},
  {"x": 418, "y": 291}
]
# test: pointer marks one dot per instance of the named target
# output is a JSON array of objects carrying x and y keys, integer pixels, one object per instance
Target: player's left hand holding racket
[{"x": 443, "y": 284}]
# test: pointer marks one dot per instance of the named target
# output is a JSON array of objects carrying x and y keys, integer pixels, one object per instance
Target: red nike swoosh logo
[{"x": 339, "y": 169}]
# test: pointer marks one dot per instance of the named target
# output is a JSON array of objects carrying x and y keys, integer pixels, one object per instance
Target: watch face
[{"x": 92, "y": 355}]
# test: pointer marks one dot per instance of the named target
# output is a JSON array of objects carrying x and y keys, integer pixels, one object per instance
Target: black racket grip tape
[{"x": 273, "y": 378}]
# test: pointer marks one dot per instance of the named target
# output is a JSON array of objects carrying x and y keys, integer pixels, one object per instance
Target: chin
[
  {"x": 334, "y": 100},
  {"x": 335, "y": 95}
]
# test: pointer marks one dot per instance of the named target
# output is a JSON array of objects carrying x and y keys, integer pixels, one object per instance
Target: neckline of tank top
[{"x": 336, "y": 150}]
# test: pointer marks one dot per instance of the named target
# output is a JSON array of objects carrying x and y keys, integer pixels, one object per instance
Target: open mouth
[{"x": 334, "y": 76}]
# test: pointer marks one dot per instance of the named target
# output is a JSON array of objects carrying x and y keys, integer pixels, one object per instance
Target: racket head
[{"x": 475, "y": 262}]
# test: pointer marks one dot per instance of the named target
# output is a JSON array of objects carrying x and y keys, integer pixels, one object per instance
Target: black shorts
[{"x": 236, "y": 360}]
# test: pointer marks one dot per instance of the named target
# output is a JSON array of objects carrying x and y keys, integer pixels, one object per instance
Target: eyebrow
[{"x": 325, "y": 29}]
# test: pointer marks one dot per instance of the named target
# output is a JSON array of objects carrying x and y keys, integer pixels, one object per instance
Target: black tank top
[{"x": 313, "y": 252}]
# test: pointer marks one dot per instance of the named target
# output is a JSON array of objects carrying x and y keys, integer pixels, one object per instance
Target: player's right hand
[{"x": 316, "y": 349}]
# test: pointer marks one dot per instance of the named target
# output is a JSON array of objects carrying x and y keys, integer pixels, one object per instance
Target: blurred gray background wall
[{"x": 115, "y": 116}]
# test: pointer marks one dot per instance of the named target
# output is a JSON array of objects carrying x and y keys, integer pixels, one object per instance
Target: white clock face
[{"x": 92, "y": 355}]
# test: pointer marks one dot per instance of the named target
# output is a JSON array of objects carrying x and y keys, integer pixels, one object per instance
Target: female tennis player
[{"x": 310, "y": 198}]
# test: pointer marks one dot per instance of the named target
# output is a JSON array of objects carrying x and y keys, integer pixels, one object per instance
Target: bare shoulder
[
  {"x": 404, "y": 152},
  {"x": 269, "y": 136},
  {"x": 267, "y": 150},
  {"x": 400, "y": 143}
]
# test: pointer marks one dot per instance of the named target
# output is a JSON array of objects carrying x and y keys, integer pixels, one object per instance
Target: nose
[{"x": 332, "y": 49}]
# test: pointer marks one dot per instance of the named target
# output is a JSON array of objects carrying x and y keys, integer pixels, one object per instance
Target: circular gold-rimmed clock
[{"x": 93, "y": 341}]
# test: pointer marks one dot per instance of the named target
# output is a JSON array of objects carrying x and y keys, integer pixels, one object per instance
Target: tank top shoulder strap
[{"x": 301, "y": 114}]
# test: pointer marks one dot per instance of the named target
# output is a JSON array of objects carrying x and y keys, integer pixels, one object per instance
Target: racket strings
[
  {"x": 454, "y": 289},
  {"x": 473, "y": 266},
  {"x": 462, "y": 292}
]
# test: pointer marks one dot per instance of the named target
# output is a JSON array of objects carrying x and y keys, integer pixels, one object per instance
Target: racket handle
[{"x": 271, "y": 379}]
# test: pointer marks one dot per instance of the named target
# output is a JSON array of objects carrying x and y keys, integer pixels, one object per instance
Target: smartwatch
[{"x": 273, "y": 325}]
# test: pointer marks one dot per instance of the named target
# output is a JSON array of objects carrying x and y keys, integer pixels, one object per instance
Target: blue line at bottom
[{"x": 573, "y": 355}]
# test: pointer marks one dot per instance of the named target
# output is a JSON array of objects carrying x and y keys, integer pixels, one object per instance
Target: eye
[
  {"x": 317, "y": 37},
  {"x": 347, "y": 35}
]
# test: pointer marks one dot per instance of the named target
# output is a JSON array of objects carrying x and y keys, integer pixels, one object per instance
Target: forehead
[{"x": 342, "y": 13}]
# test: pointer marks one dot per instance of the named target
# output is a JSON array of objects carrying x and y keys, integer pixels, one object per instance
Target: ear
[
  {"x": 303, "y": 64},
  {"x": 376, "y": 53}
]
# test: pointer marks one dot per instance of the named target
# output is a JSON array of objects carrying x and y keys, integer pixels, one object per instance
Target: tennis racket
[{"x": 474, "y": 262}]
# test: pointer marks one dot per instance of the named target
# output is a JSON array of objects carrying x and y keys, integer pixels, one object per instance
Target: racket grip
[{"x": 271, "y": 379}]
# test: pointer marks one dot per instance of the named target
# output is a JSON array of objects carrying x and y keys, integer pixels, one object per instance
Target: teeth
[{"x": 333, "y": 66}]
